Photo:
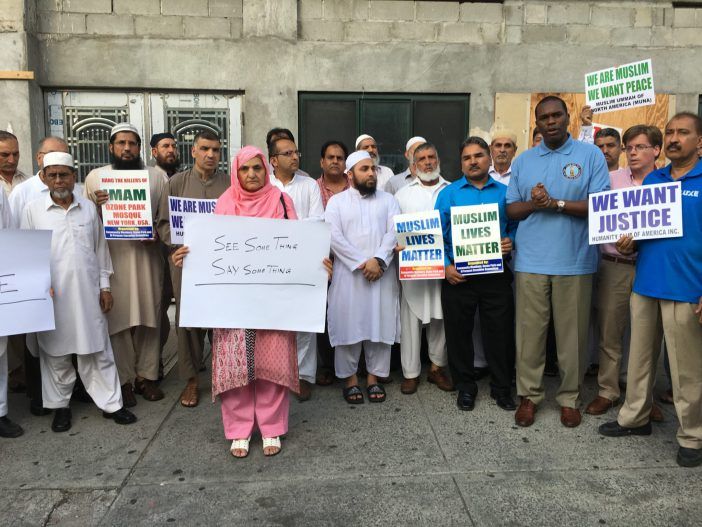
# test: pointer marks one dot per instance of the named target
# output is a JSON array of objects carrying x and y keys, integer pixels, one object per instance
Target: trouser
[
  {"x": 15, "y": 351},
  {"x": 191, "y": 341},
  {"x": 325, "y": 351},
  {"x": 492, "y": 294},
  {"x": 650, "y": 318},
  {"x": 99, "y": 375},
  {"x": 479, "y": 359},
  {"x": 32, "y": 374},
  {"x": 3, "y": 376},
  {"x": 377, "y": 355},
  {"x": 307, "y": 356},
  {"x": 166, "y": 296},
  {"x": 568, "y": 299},
  {"x": 411, "y": 342},
  {"x": 613, "y": 293},
  {"x": 136, "y": 352},
  {"x": 260, "y": 403}
]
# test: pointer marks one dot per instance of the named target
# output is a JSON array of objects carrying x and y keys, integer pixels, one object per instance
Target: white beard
[{"x": 429, "y": 176}]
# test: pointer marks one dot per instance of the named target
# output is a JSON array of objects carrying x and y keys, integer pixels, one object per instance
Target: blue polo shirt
[
  {"x": 549, "y": 242},
  {"x": 671, "y": 268},
  {"x": 462, "y": 192}
]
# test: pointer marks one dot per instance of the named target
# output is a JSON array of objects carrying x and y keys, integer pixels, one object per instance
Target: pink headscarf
[{"x": 264, "y": 203}]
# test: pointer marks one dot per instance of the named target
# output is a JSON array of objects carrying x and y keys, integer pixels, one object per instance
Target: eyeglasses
[
  {"x": 638, "y": 148},
  {"x": 289, "y": 153},
  {"x": 63, "y": 175}
]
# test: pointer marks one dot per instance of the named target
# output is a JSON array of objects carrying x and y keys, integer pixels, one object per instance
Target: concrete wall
[{"x": 271, "y": 49}]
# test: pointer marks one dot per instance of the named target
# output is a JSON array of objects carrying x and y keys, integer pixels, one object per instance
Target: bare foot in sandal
[
  {"x": 271, "y": 446},
  {"x": 240, "y": 447},
  {"x": 190, "y": 395}
]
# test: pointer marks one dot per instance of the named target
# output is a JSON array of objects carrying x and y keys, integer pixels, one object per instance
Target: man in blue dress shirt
[{"x": 554, "y": 263}]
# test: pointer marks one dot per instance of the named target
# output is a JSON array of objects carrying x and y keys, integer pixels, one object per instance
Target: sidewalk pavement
[{"x": 413, "y": 460}]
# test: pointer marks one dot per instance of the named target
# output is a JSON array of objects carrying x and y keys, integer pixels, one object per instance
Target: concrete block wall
[{"x": 171, "y": 19}]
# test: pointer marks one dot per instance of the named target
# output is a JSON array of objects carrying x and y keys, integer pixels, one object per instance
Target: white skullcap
[
  {"x": 413, "y": 141},
  {"x": 362, "y": 137},
  {"x": 503, "y": 132},
  {"x": 58, "y": 158},
  {"x": 124, "y": 127},
  {"x": 354, "y": 158}
]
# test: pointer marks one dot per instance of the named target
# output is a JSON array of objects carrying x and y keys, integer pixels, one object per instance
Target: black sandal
[
  {"x": 378, "y": 391},
  {"x": 353, "y": 394}
]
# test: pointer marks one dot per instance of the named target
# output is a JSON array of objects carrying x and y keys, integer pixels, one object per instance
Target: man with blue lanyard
[
  {"x": 667, "y": 299},
  {"x": 554, "y": 263},
  {"x": 490, "y": 293}
]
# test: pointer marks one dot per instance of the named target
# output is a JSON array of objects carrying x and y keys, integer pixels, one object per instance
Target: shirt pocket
[{"x": 83, "y": 236}]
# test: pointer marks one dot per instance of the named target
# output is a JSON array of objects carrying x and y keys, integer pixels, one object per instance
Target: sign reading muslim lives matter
[
  {"x": 179, "y": 208},
  {"x": 254, "y": 273},
  {"x": 620, "y": 87},
  {"x": 420, "y": 234},
  {"x": 645, "y": 212},
  {"x": 475, "y": 232},
  {"x": 127, "y": 213},
  {"x": 25, "y": 280}
]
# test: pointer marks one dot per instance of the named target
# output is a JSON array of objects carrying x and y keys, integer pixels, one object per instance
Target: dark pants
[
  {"x": 492, "y": 293},
  {"x": 32, "y": 376}
]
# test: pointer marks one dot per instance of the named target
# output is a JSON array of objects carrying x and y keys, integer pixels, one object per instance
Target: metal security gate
[{"x": 84, "y": 120}]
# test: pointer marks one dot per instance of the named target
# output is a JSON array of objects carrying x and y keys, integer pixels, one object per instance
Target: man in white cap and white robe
[
  {"x": 365, "y": 142},
  {"x": 135, "y": 321},
  {"x": 404, "y": 178},
  {"x": 364, "y": 294},
  {"x": 80, "y": 278}
]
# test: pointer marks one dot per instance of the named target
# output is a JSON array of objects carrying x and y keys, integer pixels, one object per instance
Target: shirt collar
[
  {"x": 417, "y": 183},
  {"x": 565, "y": 148},
  {"x": 695, "y": 172},
  {"x": 49, "y": 203},
  {"x": 465, "y": 183},
  {"x": 494, "y": 172}
]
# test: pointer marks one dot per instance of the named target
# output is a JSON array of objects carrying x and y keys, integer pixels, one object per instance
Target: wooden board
[{"x": 16, "y": 75}]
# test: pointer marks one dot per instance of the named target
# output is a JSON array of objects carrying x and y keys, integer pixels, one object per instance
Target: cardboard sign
[
  {"x": 646, "y": 212},
  {"x": 254, "y": 273},
  {"x": 127, "y": 214},
  {"x": 25, "y": 280},
  {"x": 477, "y": 243},
  {"x": 620, "y": 87},
  {"x": 179, "y": 208},
  {"x": 423, "y": 257}
]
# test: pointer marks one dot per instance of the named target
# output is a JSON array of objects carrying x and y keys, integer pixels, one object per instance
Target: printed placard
[
  {"x": 423, "y": 257},
  {"x": 620, "y": 87},
  {"x": 127, "y": 213},
  {"x": 179, "y": 208},
  {"x": 477, "y": 244},
  {"x": 645, "y": 212}
]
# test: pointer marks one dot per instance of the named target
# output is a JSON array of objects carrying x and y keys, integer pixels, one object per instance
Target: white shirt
[
  {"x": 6, "y": 221},
  {"x": 398, "y": 181},
  {"x": 384, "y": 174},
  {"x": 304, "y": 192},
  {"x": 423, "y": 296},
  {"x": 501, "y": 178},
  {"x": 19, "y": 178},
  {"x": 362, "y": 228},
  {"x": 80, "y": 267},
  {"x": 28, "y": 191}
]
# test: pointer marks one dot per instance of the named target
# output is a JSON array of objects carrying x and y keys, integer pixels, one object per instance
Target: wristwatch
[
  {"x": 381, "y": 263},
  {"x": 105, "y": 290},
  {"x": 561, "y": 205}
]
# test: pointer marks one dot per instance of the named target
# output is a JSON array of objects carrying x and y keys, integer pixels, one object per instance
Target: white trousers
[
  {"x": 411, "y": 342},
  {"x": 377, "y": 359},
  {"x": 3, "y": 376},
  {"x": 97, "y": 371},
  {"x": 307, "y": 356}
]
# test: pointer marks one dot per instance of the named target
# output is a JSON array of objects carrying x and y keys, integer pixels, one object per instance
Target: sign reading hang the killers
[
  {"x": 620, "y": 87},
  {"x": 127, "y": 213},
  {"x": 645, "y": 212}
]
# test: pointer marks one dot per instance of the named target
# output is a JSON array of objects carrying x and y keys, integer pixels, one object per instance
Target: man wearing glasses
[
  {"x": 284, "y": 157},
  {"x": 615, "y": 277}
]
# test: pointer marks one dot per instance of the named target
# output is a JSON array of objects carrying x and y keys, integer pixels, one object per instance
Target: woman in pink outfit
[{"x": 253, "y": 370}]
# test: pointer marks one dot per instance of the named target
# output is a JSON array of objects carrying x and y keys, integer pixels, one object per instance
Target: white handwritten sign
[
  {"x": 475, "y": 233},
  {"x": 254, "y": 273},
  {"x": 179, "y": 208},
  {"x": 648, "y": 211},
  {"x": 620, "y": 87},
  {"x": 127, "y": 214},
  {"x": 420, "y": 233},
  {"x": 25, "y": 281}
]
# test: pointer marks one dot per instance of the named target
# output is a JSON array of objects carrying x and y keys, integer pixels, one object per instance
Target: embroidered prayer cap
[
  {"x": 124, "y": 127},
  {"x": 58, "y": 158},
  {"x": 362, "y": 137},
  {"x": 354, "y": 158},
  {"x": 413, "y": 141}
]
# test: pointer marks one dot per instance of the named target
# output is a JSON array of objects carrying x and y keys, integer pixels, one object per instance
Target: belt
[{"x": 614, "y": 259}]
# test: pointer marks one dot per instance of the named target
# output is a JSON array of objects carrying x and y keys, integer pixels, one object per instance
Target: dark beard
[
  {"x": 170, "y": 168},
  {"x": 118, "y": 164},
  {"x": 364, "y": 189}
]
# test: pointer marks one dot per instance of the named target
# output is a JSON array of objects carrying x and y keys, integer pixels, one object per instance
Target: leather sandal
[
  {"x": 190, "y": 396},
  {"x": 148, "y": 390},
  {"x": 271, "y": 442},
  {"x": 240, "y": 444}
]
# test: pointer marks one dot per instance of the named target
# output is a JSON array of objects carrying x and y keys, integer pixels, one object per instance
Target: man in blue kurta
[
  {"x": 667, "y": 299},
  {"x": 554, "y": 263}
]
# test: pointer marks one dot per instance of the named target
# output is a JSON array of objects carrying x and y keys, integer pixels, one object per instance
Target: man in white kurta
[
  {"x": 137, "y": 284},
  {"x": 363, "y": 296},
  {"x": 304, "y": 191},
  {"x": 365, "y": 142},
  {"x": 80, "y": 278},
  {"x": 7, "y": 427},
  {"x": 421, "y": 299}
]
